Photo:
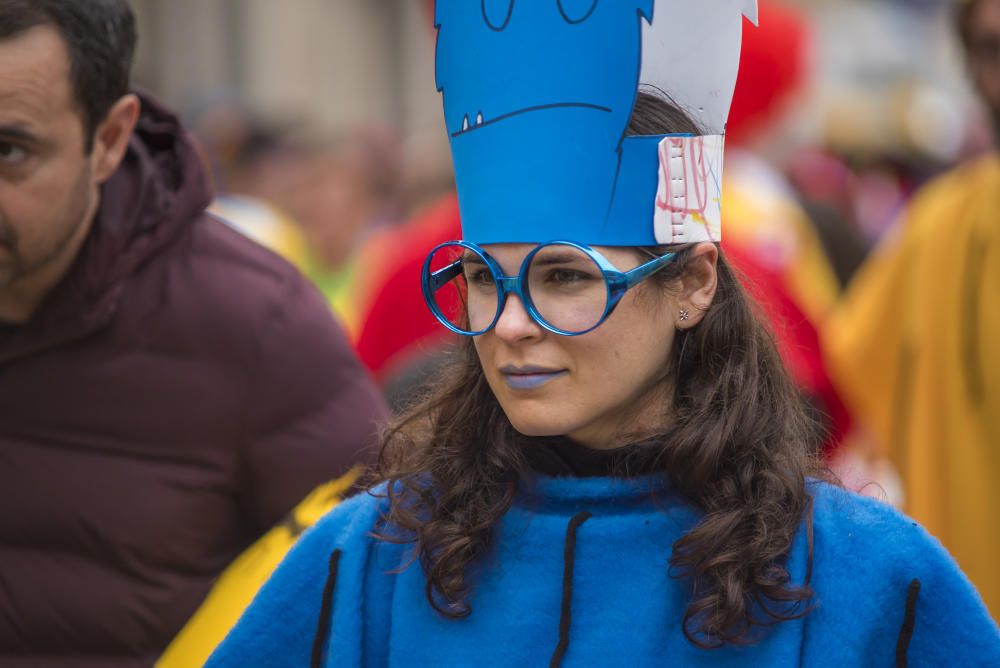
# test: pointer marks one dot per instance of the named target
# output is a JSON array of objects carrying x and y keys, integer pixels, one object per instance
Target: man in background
[
  {"x": 168, "y": 389},
  {"x": 915, "y": 345}
]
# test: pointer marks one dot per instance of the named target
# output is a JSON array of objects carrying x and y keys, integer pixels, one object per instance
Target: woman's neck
[{"x": 561, "y": 456}]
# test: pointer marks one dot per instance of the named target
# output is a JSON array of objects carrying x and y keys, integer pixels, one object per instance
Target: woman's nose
[{"x": 515, "y": 323}]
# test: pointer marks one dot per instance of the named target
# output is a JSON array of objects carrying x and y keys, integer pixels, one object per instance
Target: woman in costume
[{"x": 616, "y": 469}]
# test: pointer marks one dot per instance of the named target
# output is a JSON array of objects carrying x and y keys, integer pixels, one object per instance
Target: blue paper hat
[{"x": 537, "y": 97}]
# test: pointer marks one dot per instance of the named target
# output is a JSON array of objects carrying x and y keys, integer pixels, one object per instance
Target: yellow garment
[
  {"x": 915, "y": 348},
  {"x": 265, "y": 224},
  {"x": 236, "y": 587}
]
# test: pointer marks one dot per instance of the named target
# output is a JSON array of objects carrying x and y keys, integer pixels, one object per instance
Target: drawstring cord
[
  {"x": 325, "y": 613},
  {"x": 565, "y": 617},
  {"x": 909, "y": 621}
]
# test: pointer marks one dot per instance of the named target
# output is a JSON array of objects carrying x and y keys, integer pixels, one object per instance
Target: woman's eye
[
  {"x": 11, "y": 154},
  {"x": 568, "y": 276},
  {"x": 497, "y": 13},
  {"x": 577, "y": 11},
  {"x": 479, "y": 276}
]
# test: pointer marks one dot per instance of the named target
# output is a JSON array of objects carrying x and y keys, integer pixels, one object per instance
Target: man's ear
[
  {"x": 698, "y": 285},
  {"x": 112, "y": 136}
]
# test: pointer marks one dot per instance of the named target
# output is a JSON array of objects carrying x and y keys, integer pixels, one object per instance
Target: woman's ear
[{"x": 698, "y": 284}]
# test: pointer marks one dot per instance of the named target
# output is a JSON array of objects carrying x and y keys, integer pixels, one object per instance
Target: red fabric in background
[
  {"x": 774, "y": 64},
  {"x": 398, "y": 327},
  {"x": 797, "y": 338}
]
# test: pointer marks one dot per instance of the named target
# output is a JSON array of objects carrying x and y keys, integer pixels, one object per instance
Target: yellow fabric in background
[
  {"x": 915, "y": 350},
  {"x": 265, "y": 224},
  {"x": 238, "y": 584},
  {"x": 762, "y": 217}
]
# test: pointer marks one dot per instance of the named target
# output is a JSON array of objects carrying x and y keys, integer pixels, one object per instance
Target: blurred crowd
[{"x": 863, "y": 214}]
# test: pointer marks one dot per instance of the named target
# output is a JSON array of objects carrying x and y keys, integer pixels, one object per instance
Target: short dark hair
[{"x": 100, "y": 36}]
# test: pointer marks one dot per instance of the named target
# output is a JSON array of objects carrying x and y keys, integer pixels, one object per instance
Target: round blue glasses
[{"x": 567, "y": 288}]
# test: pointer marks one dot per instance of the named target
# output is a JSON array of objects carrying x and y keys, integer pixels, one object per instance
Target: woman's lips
[{"x": 529, "y": 378}]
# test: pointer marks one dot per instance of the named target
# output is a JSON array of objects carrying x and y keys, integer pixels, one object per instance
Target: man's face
[
  {"x": 47, "y": 188},
  {"x": 984, "y": 53}
]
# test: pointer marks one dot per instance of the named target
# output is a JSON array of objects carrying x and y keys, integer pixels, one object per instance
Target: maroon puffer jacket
[{"x": 174, "y": 397}]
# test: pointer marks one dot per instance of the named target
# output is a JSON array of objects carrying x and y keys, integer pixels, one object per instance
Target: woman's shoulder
[
  {"x": 855, "y": 518},
  {"x": 877, "y": 573},
  {"x": 851, "y": 525},
  {"x": 839, "y": 510}
]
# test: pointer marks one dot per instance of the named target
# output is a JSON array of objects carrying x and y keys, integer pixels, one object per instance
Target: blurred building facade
[
  {"x": 334, "y": 64},
  {"x": 888, "y": 70}
]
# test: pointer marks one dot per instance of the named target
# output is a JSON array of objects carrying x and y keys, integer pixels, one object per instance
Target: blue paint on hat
[{"x": 537, "y": 96}]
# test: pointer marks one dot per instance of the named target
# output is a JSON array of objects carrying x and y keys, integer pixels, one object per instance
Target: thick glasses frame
[{"x": 616, "y": 282}]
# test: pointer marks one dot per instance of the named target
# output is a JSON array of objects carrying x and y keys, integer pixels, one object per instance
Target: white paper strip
[
  {"x": 689, "y": 198},
  {"x": 691, "y": 51}
]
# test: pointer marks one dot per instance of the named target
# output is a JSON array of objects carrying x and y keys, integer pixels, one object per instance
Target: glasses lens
[
  {"x": 463, "y": 288},
  {"x": 567, "y": 288}
]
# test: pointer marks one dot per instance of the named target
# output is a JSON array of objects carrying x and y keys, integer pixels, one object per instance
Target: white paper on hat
[
  {"x": 689, "y": 197},
  {"x": 691, "y": 52}
]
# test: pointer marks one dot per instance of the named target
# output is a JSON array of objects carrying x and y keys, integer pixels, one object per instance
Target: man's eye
[{"x": 11, "y": 154}]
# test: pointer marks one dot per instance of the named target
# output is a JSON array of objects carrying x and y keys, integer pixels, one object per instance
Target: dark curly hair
[{"x": 740, "y": 448}]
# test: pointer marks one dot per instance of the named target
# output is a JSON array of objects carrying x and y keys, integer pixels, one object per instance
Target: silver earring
[{"x": 685, "y": 315}]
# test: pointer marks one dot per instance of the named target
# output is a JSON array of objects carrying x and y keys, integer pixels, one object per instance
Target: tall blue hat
[{"x": 537, "y": 97}]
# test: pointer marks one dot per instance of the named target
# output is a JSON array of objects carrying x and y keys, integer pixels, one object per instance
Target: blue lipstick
[{"x": 529, "y": 378}]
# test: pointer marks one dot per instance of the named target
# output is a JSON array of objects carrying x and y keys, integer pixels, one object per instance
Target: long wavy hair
[{"x": 739, "y": 448}]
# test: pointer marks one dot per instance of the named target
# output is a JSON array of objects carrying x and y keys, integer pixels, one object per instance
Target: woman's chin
[{"x": 529, "y": 427}]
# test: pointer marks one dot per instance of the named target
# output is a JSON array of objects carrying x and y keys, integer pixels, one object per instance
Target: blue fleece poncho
[{"x": 579, "y": 576}]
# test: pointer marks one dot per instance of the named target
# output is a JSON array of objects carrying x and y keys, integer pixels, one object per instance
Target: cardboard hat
[{"x": 537, "y": 98}]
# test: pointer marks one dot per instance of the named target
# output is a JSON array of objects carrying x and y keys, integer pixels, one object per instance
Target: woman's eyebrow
[
  {"x": 556, "y": 258},
  {"x": 471, "y": 258}
]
